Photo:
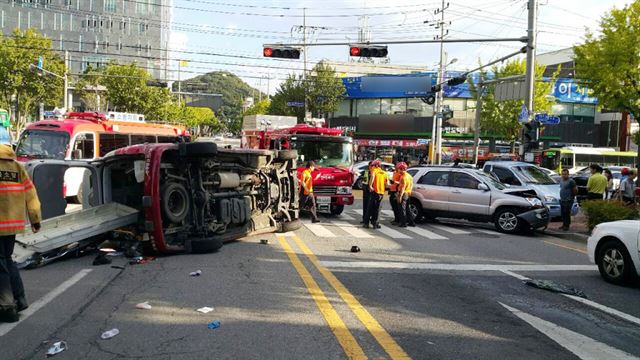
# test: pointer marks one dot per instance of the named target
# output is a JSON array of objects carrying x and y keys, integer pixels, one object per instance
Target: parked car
[
  {"x": 615, "y": 248},
  {"x": 582, "y": 176},
  {"x": 552, "y": 174},
  {"x": 455, "y": 192},
  {"x": 522, "y": 175},
  {"x": 358, "y": 170}
]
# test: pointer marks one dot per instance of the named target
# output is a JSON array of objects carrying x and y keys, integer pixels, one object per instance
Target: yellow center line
[
  {"x": 373, "y": 326},
  {"x": 565, "y": 246},
  {"x": 349, "y": 344}
]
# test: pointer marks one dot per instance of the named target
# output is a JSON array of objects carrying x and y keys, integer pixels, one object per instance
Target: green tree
[
  {"x": 126, "y": 87},
  {"x": 87, "y": 88},
  {"x": 201, "y": 120},
  {"x": 292, "y": 89},
  {"x": 259, "y": 108},
  {"x": 22, "y": 85},
  {"x": 501, "y": 117},
  {"x": 610, "y": 62},
  {"x": 325, "y": 90}
]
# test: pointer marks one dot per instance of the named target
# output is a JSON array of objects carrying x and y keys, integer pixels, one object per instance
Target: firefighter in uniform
[
  {"x": 17, "y": 197},
  {"x": 306, "y": 191},
  {"x": 404, "y": 192},
  {"x": 393, "y": 191},
  {"x": 377, "y": 187},
  {"x": 366, "y": 176}
]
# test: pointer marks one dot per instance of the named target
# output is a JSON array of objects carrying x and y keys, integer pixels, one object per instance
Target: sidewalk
[{"x": 578, "y": 231}]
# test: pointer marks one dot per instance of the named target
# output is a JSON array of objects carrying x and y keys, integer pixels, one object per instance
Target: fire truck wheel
[
  {"x": 284, "y": 155},
  {"x": 290, "y": 226},
  {"x": 175, "y": 202},
  {"x": 199, "y": 149},
  {"x": 337, "y": 209},
  {"x": 203, "y": 245}
]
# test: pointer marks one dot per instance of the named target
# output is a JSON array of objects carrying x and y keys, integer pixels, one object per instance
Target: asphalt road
[{"x": 450, "y": 290}]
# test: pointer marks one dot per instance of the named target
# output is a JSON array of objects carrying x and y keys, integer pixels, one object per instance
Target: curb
[{"x": 573, "y": 236}]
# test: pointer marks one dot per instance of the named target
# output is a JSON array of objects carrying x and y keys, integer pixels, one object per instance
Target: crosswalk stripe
[
  {"x": 319, "y": 230},
  {"x": 358, "y": 211},
  {"x": 344, "y": 216},
  {"x": 490, "y": 232},
  {"x": 352, "y": 230},
  {"x": 393, "y": 233},
  {"x": 387, "y": 213},
  {"x": 450, "y": 229},
  {"x": 426, "y": 233}
]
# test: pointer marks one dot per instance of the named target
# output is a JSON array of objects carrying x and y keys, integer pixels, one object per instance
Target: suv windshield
[
  {"x": 490, "y": 180},
  {"x": 533, "y": 175},
  {"x": 43, "y": 144},
  {"x": 324, "y": 153}
]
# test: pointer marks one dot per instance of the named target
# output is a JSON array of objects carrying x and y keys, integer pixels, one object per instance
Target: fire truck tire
[
  {"x": 200, "y": 149},
  {"x": 203, "y": 245},
  {"x": 337, "y": 209},
  {"x": 175, "y": 202},
  {"x": 285, "y": 155},
  {"x": 290, "y": 226}
]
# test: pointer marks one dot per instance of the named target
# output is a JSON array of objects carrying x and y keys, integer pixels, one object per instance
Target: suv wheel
[
  {"x": 614, "y": 263},
  {"x": 507, "y": 221},
  {"x": 415, "y": 209}
]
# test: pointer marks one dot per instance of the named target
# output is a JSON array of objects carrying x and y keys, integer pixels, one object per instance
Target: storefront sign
[
  {"x": 386, "y": 143},
  {"x": 568, "y": 91}
]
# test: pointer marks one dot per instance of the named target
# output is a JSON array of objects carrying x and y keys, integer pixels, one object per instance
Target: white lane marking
[
  {"x": 450, "y": 229},
  {"x": 344, "y": 216},
  {"x": 319, "y": 230},
  {"x": 352, "y": 230},
  {"x": 358, "y": 211},
  {"x": 517, "y": 276},
  {"x": 393, "y": 233},
  {"x": 455, "y": 267},
  {"x": 387, "y": 213},
  {"x": 288, "y": 233},
  {"x": 606, "y": 309},
  {"x": 490, "y": 232},
  {"x": 40, "y": 303},
  {"x": 582, "y": 346},
  {"x": 426, "y": 233}
]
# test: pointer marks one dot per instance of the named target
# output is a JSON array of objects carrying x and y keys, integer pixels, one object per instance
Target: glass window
[
  {"x": 437, "y": 178},
  {"x": 385, "y": 106},
  {"x": 465, "y": 181},
  {"x": 398, "y": 106},
  {"x": 344, "y": 109},
  {"x": 506, "y": 176},
  {"x": 417, "y": 107},
  {"x": 368, "y": 106},
  {"x": 83, "y": 147},
  {"x": 167, "y": 139},
  {"x": 412, "y": 172},
  {"x": 584, "y": 110},
  {"x": 562, "y": 109},
  {"x": 110, "y": 5},
  {"x": 141, "y": 139},
  {"x": 533, "y": 175},
  {"x": 324, "y": 153},
  {"x": 42, "y": 144},
  {"x": 110, "y": 142}
]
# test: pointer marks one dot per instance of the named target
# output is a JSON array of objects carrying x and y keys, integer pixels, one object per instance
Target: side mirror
[
  {"x": 483, "y": 187},
  {"x": 76, "y": 154}
]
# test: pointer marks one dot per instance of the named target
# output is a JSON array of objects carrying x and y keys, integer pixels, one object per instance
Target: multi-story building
[{"x": 95, "y": 32}]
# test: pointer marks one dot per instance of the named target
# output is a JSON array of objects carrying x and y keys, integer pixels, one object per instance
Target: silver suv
[{"x": 454, "y": 192}]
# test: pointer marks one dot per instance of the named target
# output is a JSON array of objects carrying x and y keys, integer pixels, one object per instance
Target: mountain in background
[{"x": 232, "y": 88}]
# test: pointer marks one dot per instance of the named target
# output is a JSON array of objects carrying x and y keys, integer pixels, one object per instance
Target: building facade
[{"x": 95, "y": 32}]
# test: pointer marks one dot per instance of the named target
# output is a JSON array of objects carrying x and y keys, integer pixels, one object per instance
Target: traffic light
[
  {"x": 368, "y": 51},
  {"x": 456, "y": 80},
  {"x": 286, "y": 52},
  {"x": 531, "y": 135}
]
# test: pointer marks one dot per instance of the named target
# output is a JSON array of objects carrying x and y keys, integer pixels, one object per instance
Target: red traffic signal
[
  {"x": 368, "y": 51},
  {"x": 285, "y": 52}
]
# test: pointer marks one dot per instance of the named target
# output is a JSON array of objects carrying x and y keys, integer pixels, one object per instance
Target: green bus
[{"x": 576, "y": 158}]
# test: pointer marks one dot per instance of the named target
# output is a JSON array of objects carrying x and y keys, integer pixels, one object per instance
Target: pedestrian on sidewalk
[
  {"x": 17, "y": 198},
  {"x": 393, "y": 189},
  {"x": 378, "y": 184},
  {"x": 609, "y": 193},
  {"x": 404, "y": 192},
  {"x": 366, "y": 177},
  {"x": 597, "y": 183},
  {"x": 568, "y": 191},
  {"x": 628, "y": 189},
  {"x": 306, "y": 191}
]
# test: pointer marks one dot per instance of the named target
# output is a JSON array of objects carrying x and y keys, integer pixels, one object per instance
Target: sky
[{"x": 213, "y": 35}]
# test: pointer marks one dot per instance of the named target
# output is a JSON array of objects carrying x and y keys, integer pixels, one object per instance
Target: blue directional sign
[
  {"x": 547, "y": 119},
  {"x": 40, "y": 62},
  {"x": 524, "y": 114},
  {"x": 295, "y": 103}
]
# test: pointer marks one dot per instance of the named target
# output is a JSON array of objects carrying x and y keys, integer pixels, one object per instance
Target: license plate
[{"x": 323, "y": 199}]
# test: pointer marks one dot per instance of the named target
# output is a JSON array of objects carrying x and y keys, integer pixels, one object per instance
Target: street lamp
[{"x": 436, "y": 137}]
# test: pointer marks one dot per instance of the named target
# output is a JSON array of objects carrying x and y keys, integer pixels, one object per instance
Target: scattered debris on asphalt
[
  {"x": 205, "y": 309},
  {"x": 355, "y": 249},
  {"x": 264, "y": 241},
  {"x": 109, "y": 334},
  {"x": 117, "y": 267},
  {"x": 214, "y": 325},
  {"x": 555, "y": 287},
  {"x": 101, "y": 259},
  {"x": 144, "y": 306},
  {"x": 140, "y": 260},
  {"x": 196, "y": 273},
  {"x": 57, "y": 348}
]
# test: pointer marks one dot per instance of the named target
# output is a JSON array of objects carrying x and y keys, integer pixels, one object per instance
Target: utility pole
[
  {"x": 530, "y": 73},
  {"x": 436, "y": 135},
  {"x": 179, "y": 82},
  {"x": 476, "y": 130},
  {"x": 304, "y": 54},
  {"x": 66, "y": 81}
]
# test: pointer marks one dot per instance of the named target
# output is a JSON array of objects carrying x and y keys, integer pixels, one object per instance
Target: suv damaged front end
[{"x": 538, "y": 214}]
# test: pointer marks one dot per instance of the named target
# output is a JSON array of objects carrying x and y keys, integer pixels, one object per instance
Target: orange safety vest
[
  {"x": 394, "y": 181},
  {"x": 407, "y": 183},
  {"x": 306, "y": 182},
  {"x": 380, "y": 179}
]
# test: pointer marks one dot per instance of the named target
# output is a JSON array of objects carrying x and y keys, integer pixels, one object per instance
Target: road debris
[
  {"x": 196, "y": 273},
  {"x": 555, "y": 287},
  {"x": 214, "y": 325},
  {"x": 144, "y": 306},
  {"x": 109, "y": 334},
  {"x": 264, "y": 241},
  {"x": 355, "y": 249},
  {"x": 117, "y": 267},
  {"x": 101, "y": 259},
  {"x": 57, "y": 348},
  {"x": 139, "y": 260},
  {"x": 205, "y": 309}
]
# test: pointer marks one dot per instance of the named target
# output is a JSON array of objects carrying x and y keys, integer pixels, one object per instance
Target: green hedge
[{"x": 601, "y": 211}]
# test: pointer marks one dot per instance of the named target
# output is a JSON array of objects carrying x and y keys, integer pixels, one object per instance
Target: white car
[
  {"x": 359, "y": 168},
  {"x": 614, "y": 247}
]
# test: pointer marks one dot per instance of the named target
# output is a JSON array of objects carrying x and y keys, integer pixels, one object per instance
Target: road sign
[
  {"x": 295, "y": 103},
  {"x": 40, "y": 62},
  {"x": 524, "y": 114},
  {"x": 422, "y": 142},
  {"x": 547, "y": 119}
]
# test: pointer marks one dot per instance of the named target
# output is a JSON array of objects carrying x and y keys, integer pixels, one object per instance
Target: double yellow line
[{"x": 345, "y": 338}]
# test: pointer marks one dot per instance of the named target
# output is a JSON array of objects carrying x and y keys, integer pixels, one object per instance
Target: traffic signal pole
[
  {"x": 436, "y": 137},
  {"x": 530, "y": 72},
  {"x": 304, "y": 54}
]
